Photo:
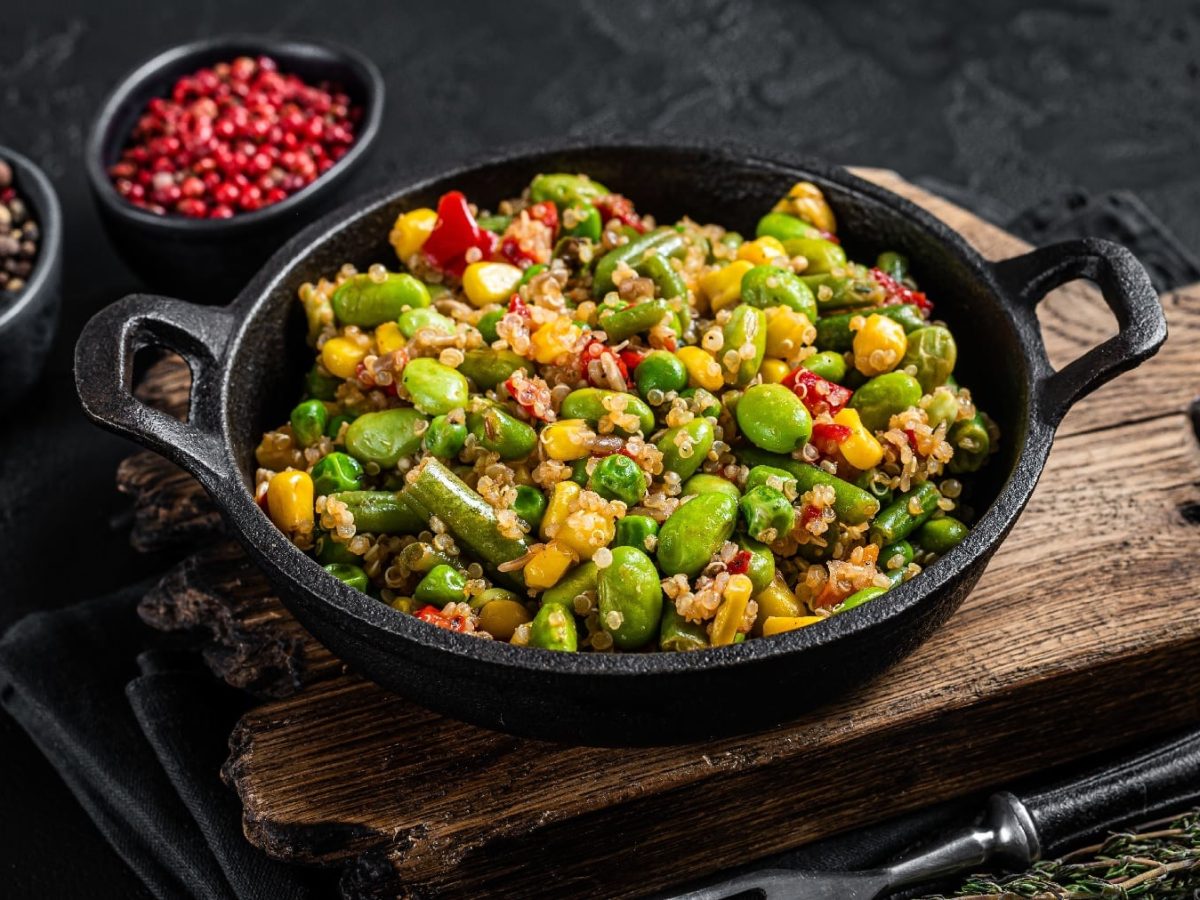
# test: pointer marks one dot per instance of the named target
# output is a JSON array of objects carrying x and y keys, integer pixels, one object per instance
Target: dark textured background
[{"x": 1014, "y": 104}]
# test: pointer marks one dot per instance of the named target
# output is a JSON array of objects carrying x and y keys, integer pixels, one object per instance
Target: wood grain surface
[{"x": 1083, "y": 633}]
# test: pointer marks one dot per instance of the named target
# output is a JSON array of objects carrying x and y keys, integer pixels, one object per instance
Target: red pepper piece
[
  {"x": 520, "y": 307},
  {"x": 828, "y": 438},
  {"x": 817, "y": 394},
  {"x": 532, "y": 396},
  {"x": 631, "y": 358},
  {"x": 614, "y": 206},
  {"x": 364, "y": 377},
  {"x": 596, "y": 350},
  {"x": 434, "y": 616},
  {"x": 740, "y": 564},
  {"x": 912, "y": 439},
  {"x": 810, "y": 514},
  {"x": 455, "y": 233},
  {"x": 898, "y": 293},
  {"x": 547, "y": 214},
  {"x": 831, "y": 237}
]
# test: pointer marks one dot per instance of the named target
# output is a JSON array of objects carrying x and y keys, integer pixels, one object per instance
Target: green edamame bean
[
  {"x": 768, "y": 285},
  {"x": 747, "y": 325},
  {"x": 694, "y": 532},
  {"x": 587, "y": 222},
  {"x": 381, "y": 512},
  {"x": 579, "y": 580},
  {"x": 853, "y": 290},
  {"x": 667, "y": 281},
  {"x": 822, "y": 255},
  {"x": 336, "y": 472},
  {"x": 700, "y": 434},
  {"x": 441, "y": 585},
  {"x": 762, "y": 563},
  {"x": 852, "y": 504},
  {"x": 663, "y": 241},
  {"x": 883, "y": 396},
  {"x": 783, "y": 227},
  {"x": 943, "y": 407},
  {"x": 530, "y": 505},
  {"x": 499, "y": 432},
  {"x": 494, "y": 223},
  {"x": 941, "y": 535},
  {"x": 933, "y": 353},
  {"x": 893, "y": 264},
  {"x": 631, "y": 598},
  {"x": 617, "y": 477},
  {"x": 768, "y": 513},
  {"x": 829, "y": 365},
  {"x": 308, "y": 422},
  {"x": 532, "y": 272},
  {"x": 350, "y": 574},
  {"x": 435, "y": 389},
  {"x": 444, "y": 438},
  {"x": 895, "y": 556},
  {"x": 660, "y": 371},
  {"x": 487, "y": 368},
  {"x": 677, "y": 633},
  {"x": 588, "y": 404},
  {"x": 760, "y": 475},
  {"x": 362, "y": 301},
  {"x": 634, "y": 319},
  {"x": 489, "y": 320},
  {"x": 633, "y": 531},
  {"x": 413, "y": 320},
  {"x": 564, "y": 189},
  {"x": 858, "y": 598},
  {"x": 833, "y": 332},
  {"x": 329, "y": 551},
  {"x": 319, "y": 385},
  {"x": 709, "y": 405},
  {"x": 773, "y": 418},
  {"x": 384, "y": 437},
  {"x": 971, "y": 443},
  {"x": 898, "y": 520},
  {"x": 553, "y": 628},
  {"x": 703, "y": 483},
  {"x": 732, "y": 239}
]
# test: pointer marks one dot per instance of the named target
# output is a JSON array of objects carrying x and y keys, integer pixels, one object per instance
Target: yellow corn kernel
[
  {"x": 554, "y": 339},
  {"x": 879, "y": 344},
  {"x": 388, "y": 338},
  {"x": 547, "y": 566},
  {"x": 341, "y": 356},
  {"x": 762, "y": 250},
  {"x": 586, "y": 531},
  {"x": 723, "y": 287},
  {"x": 788, "y": 332},
  {"x": 860, "y": 449},
  {"x": 567, "y": 439},
  {"x": 774, "y": 371},
  {"x": 703, "y": 371},
  {"x": 500, "y": 618},
  {"x": 805, "y": 201},
  {"x": 729, "y": 617},
  {"x": 411, "y": 230},
  {"x": 290, "y": 502},
  {"x": 559, "y": 507},
  {"x": 780, "y": 624},
  {"x": 490, "y": 282}
]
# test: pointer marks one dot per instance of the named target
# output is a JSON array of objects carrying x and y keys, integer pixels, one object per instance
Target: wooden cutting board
[{"x": 1083, "y": 634}]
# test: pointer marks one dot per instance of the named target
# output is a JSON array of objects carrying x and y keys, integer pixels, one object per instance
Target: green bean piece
[
  {"x": 829, "y": 365},
  {"x": 661, "y": 371},
  {"x": 308, "y": 422},
  {"x": 413, "y": 320},
  {"x": 768, "y": 475},
  {"x": 588, "y": 404},
  {"x": 333, "y": 428},
  {"x": 684, "y": 462},
  {"x": 822, "y": 255},
  {"x": 336, "y": 472},
  {"x": 634, "y": 319},
  {"x": 617, "y": 477},
  {"x": 762, "y": 563},
  {"x": 783, "y": 227},
  {"x": 587, "y": 222},
  {"x": 941, "y": 535},
  {"x": 487, "y": 368},
  {"x": 553, "y": 628},
  {"x": 361, "y": 300},
  {"x": 634, "y": 531},
  {"x": 893, "y": 264},
  {"x": 469, "y": 518},
  {"x": 896, "y": 556},
  {"x": 489, "y": 320},
  {"x": 532, "y": 272},
  {"x": 833, "y": 332},
  {"x": 768, "y": 513},
  {"x": 878, "y": 487},
  {"x": 579, "y": 472},
  {"x": 385, "y": 437},
  {"x": 500, "y": 432},
  {"x": 441, "y": 585},
  {"x": 495, "y": 223},
  {"x": 767, "y": 285},
  {"x": 858, "y": 598},
  {"x": 971, "y": 443},
  {"x": 564, "y": 189},
  {"x": 328, "y": 551},
  {"x": 530, "y": 505},
  {"x": 350, "y": 574},
  {"x": 381, "y": 512},
  {"x": 663, "y": 241},
  {"x": 435, "y": 389},
  {"x": 444, "y": 438},
  {"x": 773, "y": 418},
  {"x": 694, "y": 532},
  {"x": 580, "y": 580},
  {"x": 657, "y": 268},
  {"x": 905, "y": 514},
  {"x": 747, "y": 326},
  {"x": 703, "y": 483},
  {"x": 630, "y": 598},
  {"x": 942, "y": 408},
  {"x": 932, "y": 353},
  {"x": 883, "y": 396},
  {"x": 319, "y": 385},
  {"x": 852, "y": 504},
  {"x": 677, "y": 633}
]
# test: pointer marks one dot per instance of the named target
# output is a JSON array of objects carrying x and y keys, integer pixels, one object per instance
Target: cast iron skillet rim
[
  {"x": 39, "y": 193},
  {"x": 308, "y": 576},
  {"x": 365, "y": 71}
]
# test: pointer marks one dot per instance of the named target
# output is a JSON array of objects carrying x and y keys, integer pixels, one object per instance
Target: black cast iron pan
[{"x": 247, "y": 360}]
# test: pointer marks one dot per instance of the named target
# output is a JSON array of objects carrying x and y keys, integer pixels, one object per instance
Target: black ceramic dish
[
  {"x": 247, "y": 360},
  {"x": 210, "y": 259},
  {"x": 29, "y": 318}
]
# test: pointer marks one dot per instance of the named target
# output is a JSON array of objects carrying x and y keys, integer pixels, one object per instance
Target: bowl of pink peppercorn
[{"x": 207, "y": 157}]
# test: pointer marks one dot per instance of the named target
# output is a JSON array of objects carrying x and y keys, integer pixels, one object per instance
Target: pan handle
[
  {"x": 1126, "y": 289},
  {"x": 104, "y": 358}
]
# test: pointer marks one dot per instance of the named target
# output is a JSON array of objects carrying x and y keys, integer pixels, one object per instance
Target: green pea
[
  {"x": 413, "y": 320},
  {"x": 884, "y": 396},
  {"x": 587, "y": 222},
  {"x": 385, "y": 437},
  {"x": 553, "y": 628},
  {"x": 663, "y": 241},
  {"x": 822, "y": 255},
  {"x": 703, "y": 483},
  {"x": 631, "y": 598},
  {"x": 444, "y": 438},
  {"x": 709, "y": 405},
  {"x": 381, "y": 512},
  {"x": 888, "y": 554},
  {"x": 530, "y": 505},
  {"x": 435, "y": 389},
  {"x": 530, "y": 273},
  {"x": 783, "y": 227},
  {"x": 667, "y": 280},
  {"x": 829, "y": 365},
  {"x": 362, "y": 301},
  {"x": 502, "y": 433},
  {"x": 943, "y": 407},
  {"x": 308, "y": 422},
  {"x": 773, "y": 418},
  {"x": 617, "y": 477},
  {"x": 858, "y": 598},
  {"x": 329, "y": 551},
  {"x": 941, "y": 535},
  {"x": 660, "y": 371},
  {"x": 700, "y": 434},
  {"x": 579, "y": 580},
  {"x": 633, "y": 531},
  {"x": 634, "y": 319},
  {"x": 932, "y": 352},
  {"x": 768, "y": 285},
  {"x": 760, "y": 475},
  {"x": 441, "y": 585},
  {"x": 487, "y": 368},
  {"x": 833, "y": 332},
  {"x": 588, "y": 404},
  {"x": 732, "y": 240},
  {"x": 487, "y": 324},
  {"x": 897, "y": 520},
  {"x": 852, "y": 504},
  {"x": 565, "y": 189},
  {"x": 319, "y": 385},
  {"x": 350, "y": 574},
  {"x": 675, "y": 633},
  {"x": 971, "y": 443},
  {"x": 746, "y": 325},
  {"x": 768, "y": 513},
  {"x": 336, "y": 472},
  {"x": 762, "y": 563},
  {"x": 892, "y": 264},
  {"x": 694, "y": 532},
  {"x": 495, "y": 224}
]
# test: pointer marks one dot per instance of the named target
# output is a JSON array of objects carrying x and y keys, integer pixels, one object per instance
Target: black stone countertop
[{"x": 1015, "y": 104}]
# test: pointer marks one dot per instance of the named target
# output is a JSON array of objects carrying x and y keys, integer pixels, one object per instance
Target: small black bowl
[
  {"x": 28, "y": 320},
  {"x": 210, "y": 259}
]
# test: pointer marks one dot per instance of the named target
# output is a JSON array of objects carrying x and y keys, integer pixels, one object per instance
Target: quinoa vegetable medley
[{"x": 564, "y": 425}]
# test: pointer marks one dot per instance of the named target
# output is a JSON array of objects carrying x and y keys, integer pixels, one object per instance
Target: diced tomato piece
[{"x": 817, "y": 394}]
